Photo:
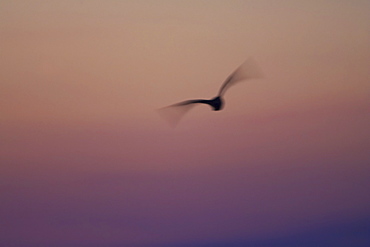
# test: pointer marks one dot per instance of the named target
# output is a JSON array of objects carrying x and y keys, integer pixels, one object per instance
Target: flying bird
[{"x": 247, "y": 70}]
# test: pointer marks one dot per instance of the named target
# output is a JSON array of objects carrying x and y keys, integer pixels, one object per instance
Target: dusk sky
[{"x": 87, "y": 161}]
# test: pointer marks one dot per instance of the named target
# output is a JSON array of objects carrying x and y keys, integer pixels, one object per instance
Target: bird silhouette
[{"x": 247, "y": 70}]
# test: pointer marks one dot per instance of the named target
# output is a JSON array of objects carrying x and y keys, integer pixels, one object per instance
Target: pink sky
[{"x": 87, "y": 161}]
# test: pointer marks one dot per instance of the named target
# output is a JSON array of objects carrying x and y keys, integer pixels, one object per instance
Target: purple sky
[{"x": 87, "y": 161}]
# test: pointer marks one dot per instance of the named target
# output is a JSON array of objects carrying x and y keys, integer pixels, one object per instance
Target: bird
[{"x": 247, "y": 70}]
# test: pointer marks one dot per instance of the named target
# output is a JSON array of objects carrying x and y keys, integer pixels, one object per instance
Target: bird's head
[{"x": 217, "y": 103}]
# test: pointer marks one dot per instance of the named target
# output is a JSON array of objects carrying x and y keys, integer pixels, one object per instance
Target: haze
[{"x": 87, "y": 161}]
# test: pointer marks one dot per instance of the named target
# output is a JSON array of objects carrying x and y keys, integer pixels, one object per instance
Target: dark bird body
[
  {"x": 216, "y": 103},
  {"x": 248, "y": 70}
]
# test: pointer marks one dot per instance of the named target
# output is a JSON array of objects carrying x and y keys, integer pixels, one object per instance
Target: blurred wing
[
  {"x": 188, "y": 102},
  {"x": 173, "y": 113},
  {"x": 248, "y": 70}
]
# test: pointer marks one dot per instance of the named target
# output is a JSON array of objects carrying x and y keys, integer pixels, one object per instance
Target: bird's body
[
  {"x": 248, "y": 70},
  {"x": 216, "y": 103}
]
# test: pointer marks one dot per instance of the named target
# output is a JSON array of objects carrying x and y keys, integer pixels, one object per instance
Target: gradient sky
[{"x": 87, "y": 161}]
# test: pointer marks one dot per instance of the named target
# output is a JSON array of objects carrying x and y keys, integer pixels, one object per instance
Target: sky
[{"x": 86, "y": 160}]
